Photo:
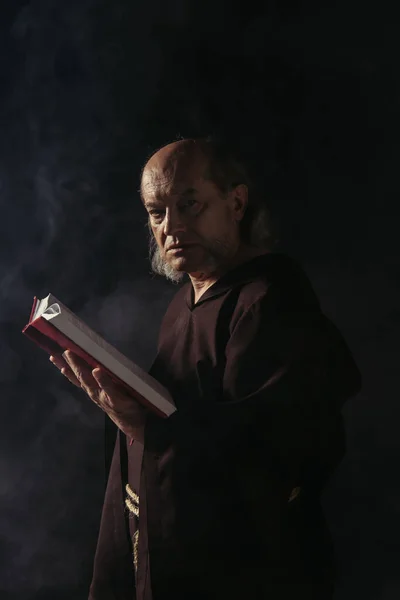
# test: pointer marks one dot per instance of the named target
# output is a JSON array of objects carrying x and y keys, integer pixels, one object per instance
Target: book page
[
  {"x": 58, "y": 308},
  {"x": 66, "y": 321},
  {"x": 42, "y": 305}
]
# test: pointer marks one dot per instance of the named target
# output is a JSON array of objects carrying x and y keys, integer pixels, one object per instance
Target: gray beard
[{"x": 160, "y": 266}]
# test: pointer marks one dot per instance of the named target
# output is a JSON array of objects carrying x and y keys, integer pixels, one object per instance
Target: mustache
[
  {"x": 180, "y": 245},
  {"x": 216, "y": 251}
]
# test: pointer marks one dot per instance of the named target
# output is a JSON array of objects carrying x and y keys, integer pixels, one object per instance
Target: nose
[{"x": 173, "y": 222}]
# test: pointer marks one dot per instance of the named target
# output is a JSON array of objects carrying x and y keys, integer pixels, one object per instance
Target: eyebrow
[
  {"x": 156, "y": 204},
  {"x": 189, "y": 192},
  {"x": 151, "y": 204}
]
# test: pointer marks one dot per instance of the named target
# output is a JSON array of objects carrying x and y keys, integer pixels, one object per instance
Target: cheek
[
  {"x": 215, "y": 224},
  {"x": 157, "y": 233}
]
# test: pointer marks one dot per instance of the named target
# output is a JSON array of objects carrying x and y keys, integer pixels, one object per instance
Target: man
[{"x": 222, "y": 499}]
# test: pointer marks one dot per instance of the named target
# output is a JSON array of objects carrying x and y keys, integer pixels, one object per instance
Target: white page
[
  {"x": 87, "y": 339},
  {"x": 42, "y": 305}
]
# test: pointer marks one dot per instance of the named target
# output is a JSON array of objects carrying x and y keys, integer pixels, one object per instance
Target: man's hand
[{"x": 128, "y": 414}]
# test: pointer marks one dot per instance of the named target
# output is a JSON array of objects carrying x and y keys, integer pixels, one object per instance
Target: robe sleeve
[{"x": 288, "y": 372}]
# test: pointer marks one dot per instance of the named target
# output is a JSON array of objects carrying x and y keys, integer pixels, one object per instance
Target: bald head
[
  {"x": 180, "y": 150},
  {"x": 188, "y": 210},
  {"x": 172, "y": 162},
  {"x": 196, "y": 195}
]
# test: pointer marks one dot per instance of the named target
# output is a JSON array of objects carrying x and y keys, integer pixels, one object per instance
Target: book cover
[{"x": 54, "y": 328}]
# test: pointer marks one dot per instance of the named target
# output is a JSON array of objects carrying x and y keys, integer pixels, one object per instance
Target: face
[{"x": 195, "y": 226}]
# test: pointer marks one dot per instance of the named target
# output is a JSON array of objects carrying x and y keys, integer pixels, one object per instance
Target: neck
[{"x": 202, "y": 280}]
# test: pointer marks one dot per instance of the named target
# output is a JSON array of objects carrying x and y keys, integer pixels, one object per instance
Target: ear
[{"x": 240, "y": 197}]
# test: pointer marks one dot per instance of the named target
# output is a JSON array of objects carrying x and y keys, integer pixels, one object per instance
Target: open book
[{"x": 55, "y": 328}]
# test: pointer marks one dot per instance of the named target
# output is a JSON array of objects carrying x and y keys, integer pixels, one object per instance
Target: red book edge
[
  {"x": 34, "y": 305},
  {"x": 54, "y": 342}
]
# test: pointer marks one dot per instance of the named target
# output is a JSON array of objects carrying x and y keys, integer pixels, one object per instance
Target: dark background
[{"x": 88, "y": 90}]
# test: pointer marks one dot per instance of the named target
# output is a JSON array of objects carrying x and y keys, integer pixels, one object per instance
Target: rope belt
[{"x": 132, "y": 504}]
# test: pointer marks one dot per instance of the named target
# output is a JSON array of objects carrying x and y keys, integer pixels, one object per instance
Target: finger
[
  {"x": 111, "y": 394},
  {"x": 80, "y": 369},
  {"x": 60, "y": 363},
  {"x": 103, "y": 380},
  {"x": 71, "y": 377},
  {"x": 107, "y": 389},
  {"x": 83, "y": 373},
  {"x": 114, "y": 399}
]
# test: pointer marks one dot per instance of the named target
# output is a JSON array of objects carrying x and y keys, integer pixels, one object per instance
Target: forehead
[{"x": 170, "y": 175}]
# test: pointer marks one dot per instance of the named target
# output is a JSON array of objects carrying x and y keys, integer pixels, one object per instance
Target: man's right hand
[
  {"x": 65, "y": 369},
  {"x": 122, "y": 408}
]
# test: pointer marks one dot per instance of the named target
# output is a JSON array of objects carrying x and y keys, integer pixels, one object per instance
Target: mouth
[{"x": 182, "y": 248}]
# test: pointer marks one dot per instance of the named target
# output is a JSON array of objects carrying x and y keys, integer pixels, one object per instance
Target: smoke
[
  {"x": 67, "y": 227},
  {"x": 89, "y": 88}
]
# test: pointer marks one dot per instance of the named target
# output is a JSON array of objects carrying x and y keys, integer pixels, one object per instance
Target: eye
[
  {"x": 188, "y": 203},
  {"x": 157, "y": 215}
]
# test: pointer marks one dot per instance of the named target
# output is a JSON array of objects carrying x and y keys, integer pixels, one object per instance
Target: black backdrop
[{"x": 88, "y": 90}]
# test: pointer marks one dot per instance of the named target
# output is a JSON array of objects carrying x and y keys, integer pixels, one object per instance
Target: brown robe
[{"x": 229, "y": 485}]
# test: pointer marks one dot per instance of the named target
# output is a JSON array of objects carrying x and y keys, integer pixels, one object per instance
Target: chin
[
  {"x": 172, "y": 270},
  {"x": 187, "y": 261},
  {"x": 182, "y": 265}
]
